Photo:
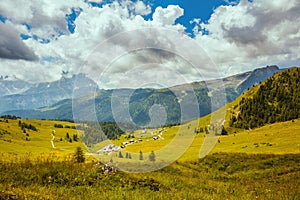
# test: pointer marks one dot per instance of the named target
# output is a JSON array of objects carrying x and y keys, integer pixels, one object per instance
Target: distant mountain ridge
[
  {"x": 21, "y": 95},
  {"x": 257, "y": 76},
  {"x": 10, "y": 87},
  {"x": 142, "y": 100}
]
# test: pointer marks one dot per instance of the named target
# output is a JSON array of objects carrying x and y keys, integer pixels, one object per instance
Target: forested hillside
[
  {"x": 140, "y": 100},
  {"x": 276, "y": 100}
]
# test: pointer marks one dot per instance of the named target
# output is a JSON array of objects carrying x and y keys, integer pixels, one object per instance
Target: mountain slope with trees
[{"x": 275, "y": 100}]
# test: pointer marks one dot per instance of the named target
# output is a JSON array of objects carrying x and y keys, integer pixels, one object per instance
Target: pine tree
[
  {"x": 152, "y": 156},
  {"x": 79, "y": 155},
  {"x": 141, "y": 155},
  {"x": 75, "y": 138},
  {"x": 276, "y": 100}
]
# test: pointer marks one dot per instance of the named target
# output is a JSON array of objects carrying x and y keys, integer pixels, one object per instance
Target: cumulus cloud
[
  {"x": 142, "y": 9},
  {"x": 11, "y": 45},
  {"x": 45, "y": 18},
  {"x": 148, "y": 47},
  {"x": 167, "y": 16},
  {"x": 237, "y": 38},
  {"x": 253, "y": 34},
  {"x": 68, "y": 52}
]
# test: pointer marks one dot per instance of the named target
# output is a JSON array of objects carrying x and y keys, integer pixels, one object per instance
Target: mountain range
[
  {"x": 21, "y": 95},
  {"x": 53, "y": 100}
]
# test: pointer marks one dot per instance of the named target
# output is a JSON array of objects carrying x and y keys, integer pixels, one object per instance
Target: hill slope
[
  {"x": 275, "y": 100},
  {"x": 17, "y": 136}
]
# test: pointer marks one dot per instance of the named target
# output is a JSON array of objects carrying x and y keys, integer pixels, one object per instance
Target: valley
[
  {"x": 262, "y": 163},
  {"x": 150, "y": 100},
  {"x": 168, "y": 162}
]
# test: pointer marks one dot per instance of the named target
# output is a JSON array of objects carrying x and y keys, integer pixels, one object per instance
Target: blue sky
[
  {"x": 193, "y": 9},
  {"x": 43, "y": 38}
]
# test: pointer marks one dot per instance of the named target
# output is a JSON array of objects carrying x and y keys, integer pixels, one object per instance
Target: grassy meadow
[
  {"x": 278, "y": 138},
  {"x": 14, "y": 140},
  {"x": 262, "y": 163},
  {"x": 217, "y": 176}
]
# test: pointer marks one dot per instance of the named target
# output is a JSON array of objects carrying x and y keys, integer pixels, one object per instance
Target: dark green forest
[
  {"x": 96, "y": 132},
  {"x": 276, "y": 100}
]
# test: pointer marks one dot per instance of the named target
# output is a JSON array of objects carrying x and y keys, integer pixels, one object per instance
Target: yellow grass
[
  {"x": 14, "y": 140},
  {"x": 179, "y": 143},
  {"x": 279, "y": 138}
]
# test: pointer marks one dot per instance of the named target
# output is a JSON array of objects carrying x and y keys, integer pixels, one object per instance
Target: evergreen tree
[
  {"x": 276, "y": 100},
  {"x": 75, "y": 138},
  {"x": 152, "y": 156},
  {"x": 79, "y": 155},
  {"x": 141, "y": 156}
]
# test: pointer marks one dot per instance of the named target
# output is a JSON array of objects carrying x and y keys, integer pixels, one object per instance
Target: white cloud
[
  {"x": 45, "y": 17},
  {"x": 94, "y": 25},
  {"x": 253, "y": 34},
  {"x": 147, "y": 47},
  {"x": 240, "y": 37},
  {"x": 167, "y": 16},
  {"x": 142, "y": 9}
]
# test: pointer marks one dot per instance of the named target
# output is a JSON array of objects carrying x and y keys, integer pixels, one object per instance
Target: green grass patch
[{"x": 217, "y": 176}]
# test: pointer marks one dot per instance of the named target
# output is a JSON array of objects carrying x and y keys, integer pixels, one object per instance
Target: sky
[{"x": 137, "y": 43}]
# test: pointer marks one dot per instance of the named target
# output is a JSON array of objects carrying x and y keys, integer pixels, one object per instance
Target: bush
[{"x": 58, "y": 126}]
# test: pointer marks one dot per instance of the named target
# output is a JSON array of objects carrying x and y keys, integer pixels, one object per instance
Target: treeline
[
  {"x": 12, "y": 117},
  {"x": 24, "y": 126},
  {"x": 66, "y": 126},
  {"x": 276, "y": 100},
  {"x": 96, "y": 132},
  {"x": 62, "y": 120}
]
